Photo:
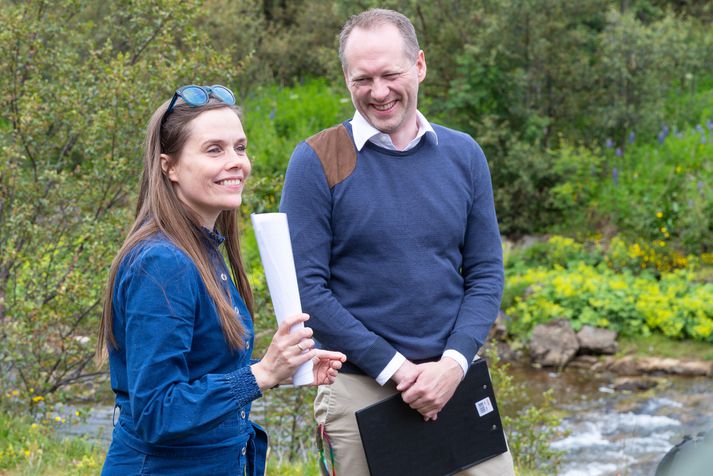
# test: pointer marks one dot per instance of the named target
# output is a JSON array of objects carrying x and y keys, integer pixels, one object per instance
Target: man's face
[{"x": 383, "y": 80}]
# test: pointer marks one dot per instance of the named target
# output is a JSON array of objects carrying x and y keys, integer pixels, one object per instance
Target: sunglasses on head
[{"x": 196, "y": 96}]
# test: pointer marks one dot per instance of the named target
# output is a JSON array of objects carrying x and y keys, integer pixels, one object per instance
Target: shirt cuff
[
  {"x": 458, "y": 357},
  {"x": 396, "y": 361}
]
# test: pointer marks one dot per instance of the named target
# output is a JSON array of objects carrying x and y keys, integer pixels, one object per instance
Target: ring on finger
[{"x": 299, "y": 346}]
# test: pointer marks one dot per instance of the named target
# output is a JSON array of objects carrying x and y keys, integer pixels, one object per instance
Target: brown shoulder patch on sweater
[{"x": 336, "y": 151}]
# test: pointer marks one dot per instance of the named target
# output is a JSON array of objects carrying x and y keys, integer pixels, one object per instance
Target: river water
[
  {"x": 608, "y": 432},
  {"x": 621, "y": 433}
]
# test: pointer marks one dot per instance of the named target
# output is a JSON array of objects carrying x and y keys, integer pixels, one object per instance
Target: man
[{"x": 395, "y": 239}]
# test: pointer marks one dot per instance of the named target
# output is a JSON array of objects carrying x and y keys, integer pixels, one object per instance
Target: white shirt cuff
[
  {"x": 458, "y": 357},
  {"x": 391, "y": 368}
]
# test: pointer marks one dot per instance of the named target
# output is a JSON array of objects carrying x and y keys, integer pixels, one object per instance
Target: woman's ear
[{"x": 169, "y": 169}]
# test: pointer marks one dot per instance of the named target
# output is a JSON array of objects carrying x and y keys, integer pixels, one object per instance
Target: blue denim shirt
[{"x": 183, "y": 393}]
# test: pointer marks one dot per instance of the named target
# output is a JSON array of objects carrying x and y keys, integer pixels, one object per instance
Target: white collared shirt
[{"x": 363, "y": 132}]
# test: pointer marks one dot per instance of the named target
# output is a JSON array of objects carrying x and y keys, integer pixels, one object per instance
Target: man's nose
[{"x": 380, "y": 89}]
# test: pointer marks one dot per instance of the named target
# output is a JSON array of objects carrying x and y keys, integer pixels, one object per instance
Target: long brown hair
[{"x": 160, "y": 210}]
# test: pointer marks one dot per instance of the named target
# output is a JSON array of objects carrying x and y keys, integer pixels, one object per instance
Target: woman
[{"x": 179, "y": 333}]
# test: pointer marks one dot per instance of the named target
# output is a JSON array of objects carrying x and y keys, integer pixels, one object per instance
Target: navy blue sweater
[{"x": 395, "y": 251}]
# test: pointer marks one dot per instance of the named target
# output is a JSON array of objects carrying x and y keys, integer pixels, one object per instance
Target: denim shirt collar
[{"x": 213, "y": 238}]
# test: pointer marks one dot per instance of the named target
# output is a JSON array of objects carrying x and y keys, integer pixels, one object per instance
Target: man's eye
[
  {"x": 241, "y": 149},
  {"x": 213, "y": 150}
]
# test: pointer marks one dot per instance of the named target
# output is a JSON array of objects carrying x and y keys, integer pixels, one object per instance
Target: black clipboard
[{"x": 468, "y": 431}]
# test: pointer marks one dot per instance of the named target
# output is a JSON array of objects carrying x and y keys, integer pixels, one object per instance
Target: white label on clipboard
[{"x": 484, "y": 406}]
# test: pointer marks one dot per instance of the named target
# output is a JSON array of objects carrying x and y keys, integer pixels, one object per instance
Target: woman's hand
[
  {"x": 287, "y": 351},
  {"x": 326, "y": 365}
]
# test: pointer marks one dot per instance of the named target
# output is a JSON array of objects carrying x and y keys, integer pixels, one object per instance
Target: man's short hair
[{"x": 377, "y": 17}]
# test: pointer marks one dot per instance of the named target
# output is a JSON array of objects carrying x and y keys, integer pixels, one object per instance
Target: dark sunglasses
[{"x": 196, "y": 96}]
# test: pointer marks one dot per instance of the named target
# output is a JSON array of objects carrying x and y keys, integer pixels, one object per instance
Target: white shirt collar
[{"x": 363, "y": 132}]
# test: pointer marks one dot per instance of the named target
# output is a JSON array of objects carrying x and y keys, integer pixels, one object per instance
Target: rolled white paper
[{"x": 273, "y": 241}]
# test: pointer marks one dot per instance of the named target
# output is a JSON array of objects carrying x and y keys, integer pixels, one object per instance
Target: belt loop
[{"x": 113, "y": 416}]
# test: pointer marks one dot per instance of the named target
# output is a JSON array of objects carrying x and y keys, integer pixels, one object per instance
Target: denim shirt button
[
  {"x": 247, "y": 345},
  {"x": 242, "y": 414},
  {"x": 244, "y": 450},
  {"x": 223, "y": 277},
  {"x": 237, "y": 311}
]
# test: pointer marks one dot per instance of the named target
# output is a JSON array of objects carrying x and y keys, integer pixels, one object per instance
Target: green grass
[
  {"x": 295, "y": 468},
  {"x": 28, "y": 449},
  {"x": 660, "y": 346}
]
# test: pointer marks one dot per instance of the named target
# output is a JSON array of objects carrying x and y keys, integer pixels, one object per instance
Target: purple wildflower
[
  {"x": 699, "y": 128},
  {"x": 663, "y": 134},
  {"x": 709, "y": 124},
  {"x": 618, "y": 152},
  {"x": 272, "y": 114},
  {"x": 632, "y": 137},
  {"x": 615, "y": 176},
  {"x": 609, "y": 144},
  {"x": 700, "y": 186}
]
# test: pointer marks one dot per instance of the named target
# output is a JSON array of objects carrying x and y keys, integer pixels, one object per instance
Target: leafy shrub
[
  {"x": 615, "y": 290},
  {"x": 657, "y": 192},
  {"x": 530, "y": 427}
]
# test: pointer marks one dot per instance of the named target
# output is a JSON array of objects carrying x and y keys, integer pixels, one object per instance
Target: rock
[
  {"x": 553, "y": 344},
  {"x": 499, "y": 331},
  {"x": 593, "y": 340},
  {"x": 696, "y": 368},
  {"x": 657, "y": 365},
  {"x": 624, "y": 366},
  {"x": 584, "y": 362},
  {"x": 634, "y": 384}
]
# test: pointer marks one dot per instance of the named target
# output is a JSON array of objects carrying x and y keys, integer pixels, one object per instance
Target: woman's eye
[
  {"x": 241, "y": 149},
  {"x": 213, "y": 150}
]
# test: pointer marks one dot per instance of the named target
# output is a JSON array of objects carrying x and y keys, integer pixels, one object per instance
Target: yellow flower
[
  {"x": 659, "y": 215},
  {"x": 34, "y": 425},
  {"x": 15, "y": 393},
  {"x": 662, "y": 243},
  {"x": 27, "y": 453},
  {"x": 57, "y": 418},
  {"x": 38, "y": 398}
]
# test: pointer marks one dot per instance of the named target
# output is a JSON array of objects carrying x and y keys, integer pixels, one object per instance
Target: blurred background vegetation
[{"x": 596, "y": 118}]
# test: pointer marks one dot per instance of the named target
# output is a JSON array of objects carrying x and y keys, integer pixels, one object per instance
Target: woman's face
[{"x": 210, "y": 171}]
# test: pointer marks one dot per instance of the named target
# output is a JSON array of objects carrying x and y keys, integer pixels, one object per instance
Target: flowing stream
[
  {"x": 608, "y": 432},
  {"x": 621, "y": 433}
]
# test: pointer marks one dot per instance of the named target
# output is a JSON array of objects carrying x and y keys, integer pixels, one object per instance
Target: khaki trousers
[{"x": 334, "y": 407}]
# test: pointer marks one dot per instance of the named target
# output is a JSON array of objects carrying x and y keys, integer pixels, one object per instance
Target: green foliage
[
  {"x": 601, "y": 291},
  {"x": 32, "y": 448},
  {"x": 657, "y": 192},
  {"x": 662, "y": 346},
  {"x": 78, "y": 90},
  {"x": 530, "y": 426}
]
